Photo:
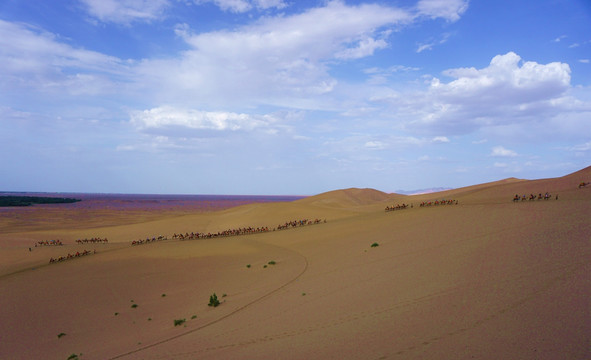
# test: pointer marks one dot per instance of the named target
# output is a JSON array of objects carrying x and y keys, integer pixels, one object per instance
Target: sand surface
[{"x": 484, "y": 279}]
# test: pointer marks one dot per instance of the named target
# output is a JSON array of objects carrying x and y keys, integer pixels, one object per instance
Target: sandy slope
[{"x": 485, "y": 279}]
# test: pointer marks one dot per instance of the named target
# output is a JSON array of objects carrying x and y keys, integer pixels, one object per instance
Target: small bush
[
  {"x": 60, "y": 335},
  {"x": 213, "y": 300},
  {"x": 133, "y": 306},
  {"x": 73, "y": 357},
  {"x": 179, "y": 322},
  {"x": 248, "y": 266},
  {"x": 116, "y": 313},
  {"x": 163, "y": 295},
  {"x": 193, "y": 317},
  {"x": 272, "y": 262},
  {"x": 375, "y": 244}
]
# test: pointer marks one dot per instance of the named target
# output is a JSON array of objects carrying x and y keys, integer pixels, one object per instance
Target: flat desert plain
[{"x": 482, "y": 278}]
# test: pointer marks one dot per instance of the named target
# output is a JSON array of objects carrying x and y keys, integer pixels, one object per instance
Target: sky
[{"x": 278, "y": 97}]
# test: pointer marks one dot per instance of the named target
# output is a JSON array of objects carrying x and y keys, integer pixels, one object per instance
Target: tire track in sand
[{"x": 163, "y": 341}]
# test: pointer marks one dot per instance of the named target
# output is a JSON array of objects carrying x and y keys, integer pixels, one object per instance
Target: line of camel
[{"x": 532, "y": 197}]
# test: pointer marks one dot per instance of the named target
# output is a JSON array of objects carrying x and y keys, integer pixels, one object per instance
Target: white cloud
[
  {"x": 166, "y": 116},
  {"x": 283, "y": 60},
  {"x": 364, "y": 48},
  {"x": 582, "y": 147},
  {"x": 375, "y": 145},
  {"x": 507, "y": 92},
  {"x": 504, "y": 79},
  {"x": 428, "y": 46},
  {"x": 241, "y": 6},
  {"x": 125, "y": 11},
  {"x": 450, "y": 10},
  {"x": 502, "y": 152},
  {"x": 440, "y": 139},
  {"x": 33, "y": 58}
]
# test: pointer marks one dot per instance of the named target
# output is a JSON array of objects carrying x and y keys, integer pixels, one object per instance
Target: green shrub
[
  {"x": 133, "y": 306},
  {"x": 179, "y": 322},
  {"x": 193, "y": 317},
  {"x": 375, "y": 244},
  {"x": 73, "y": 357},
  {"x": 60, "y": 335},
  {"x": 272, "y": 262},
  {"x": 248, "y": 266},
  {"x": 213, "y": 300}
]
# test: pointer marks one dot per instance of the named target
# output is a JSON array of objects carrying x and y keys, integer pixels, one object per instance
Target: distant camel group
[
  {"x": 49, "y": 243},
  {"x": 439, "y": 202},
  {"x": 245, "y": 230},
  {"x": 229, "y": 232},
  {"x": 93, "y": 241},
  {"x": 149, "y": 240},
  {"x": 397, "y": 207},
  {"x": 296, "y": 223},
  {"x": 532, "y": 197},
  {"x": 71, "y": 256}
]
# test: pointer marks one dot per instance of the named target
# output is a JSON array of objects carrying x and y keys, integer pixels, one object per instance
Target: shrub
[
  {"x": 133, "y": 306},
  {"x": 193, "y": 317},
  {"x": 73, "y": 357},
  {"x": 163, "y": 295},
  {"x": 248, "y": 266},
  {"x": 179, "y": 322},
  {"x": 375, "y": 244},
  {"x": 272, "y": 262},
  {"x": 213, "y": 300},
  {"x": 60, "y": 335}
]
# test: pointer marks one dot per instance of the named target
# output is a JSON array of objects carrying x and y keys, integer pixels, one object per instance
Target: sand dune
[{"x": 487, "y": 279}]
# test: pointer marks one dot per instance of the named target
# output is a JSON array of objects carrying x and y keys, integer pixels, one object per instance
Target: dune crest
[{"x": 347, "y": 197}]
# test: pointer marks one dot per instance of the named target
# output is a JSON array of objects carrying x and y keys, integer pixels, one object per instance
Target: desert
[{"x": 475, "y": 276}]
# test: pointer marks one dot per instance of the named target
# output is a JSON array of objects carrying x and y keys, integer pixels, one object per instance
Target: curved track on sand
[{"x": 284, "y": 285}]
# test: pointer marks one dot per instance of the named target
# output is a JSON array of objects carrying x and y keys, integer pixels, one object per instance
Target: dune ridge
[{"x": 487, "y": 278}]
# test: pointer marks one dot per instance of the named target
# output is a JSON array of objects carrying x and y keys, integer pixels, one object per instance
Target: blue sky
[{"x": 290, "y": 97}]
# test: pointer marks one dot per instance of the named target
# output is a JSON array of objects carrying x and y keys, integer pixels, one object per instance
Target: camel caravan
[
  {"x": 149, "y": 240},
  {"x": 532, "y": 197},
  {"x": 245, "y": 230},
  {"x": 438, "y": 202},
  {"x": 93, "y": 241},
  {"x": 397, "y": 207},
  {"x": 296, "y": 223},
  {"x": 49, "y": 243},
  {"x": 71, "y": 256}
]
